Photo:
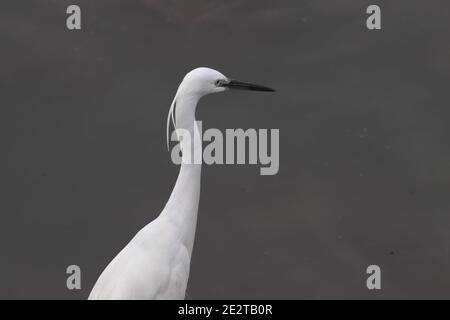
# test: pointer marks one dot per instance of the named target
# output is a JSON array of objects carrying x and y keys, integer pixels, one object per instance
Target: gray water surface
[{"x": 364, "y": 144}]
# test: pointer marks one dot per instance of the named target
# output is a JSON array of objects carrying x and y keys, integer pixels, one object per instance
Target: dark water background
[{"x": 364, "y": 152}]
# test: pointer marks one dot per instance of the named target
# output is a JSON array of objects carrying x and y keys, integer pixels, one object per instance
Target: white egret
[{"x": 155, "y": 263}]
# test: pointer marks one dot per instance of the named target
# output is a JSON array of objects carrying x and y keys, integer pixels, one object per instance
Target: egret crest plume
[{"x": 171, "y": 116}]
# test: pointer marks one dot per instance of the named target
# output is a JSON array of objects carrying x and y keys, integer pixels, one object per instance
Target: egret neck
[{"x": 182, "y": 206}]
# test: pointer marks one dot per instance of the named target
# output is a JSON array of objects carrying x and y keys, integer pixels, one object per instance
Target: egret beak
[{"x": 239, "y": 85}]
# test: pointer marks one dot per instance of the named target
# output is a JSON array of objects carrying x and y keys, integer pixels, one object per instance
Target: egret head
[{"x": 203, "y": 81}]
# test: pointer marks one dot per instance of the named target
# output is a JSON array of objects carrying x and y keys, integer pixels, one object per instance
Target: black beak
[{"x": 239, "y": 85}]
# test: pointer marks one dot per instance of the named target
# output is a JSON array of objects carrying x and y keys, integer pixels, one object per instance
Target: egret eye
[{"x": 218, "y": 83}]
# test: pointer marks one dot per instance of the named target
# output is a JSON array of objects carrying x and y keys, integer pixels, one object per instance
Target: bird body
[{"x": 155, "y": 263}]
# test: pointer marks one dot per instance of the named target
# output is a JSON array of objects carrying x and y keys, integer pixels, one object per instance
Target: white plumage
[{"x": 155, "y": 263}]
